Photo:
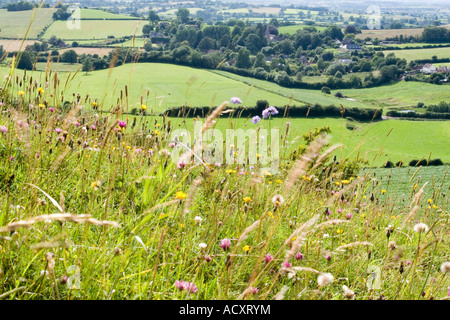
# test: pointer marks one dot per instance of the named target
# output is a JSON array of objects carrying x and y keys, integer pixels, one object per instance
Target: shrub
[{"x": 326, "y": 90}]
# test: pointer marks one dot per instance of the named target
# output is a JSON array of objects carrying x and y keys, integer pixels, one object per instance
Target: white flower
[
  {"x": 445, "y": 267},
  {"x": 326, "y": 235},
  {"x": 420, "y": 227},
  {"x": 198, "y": 220},
  {"x": 202, "y": 245},
  {"x": 347, "y": 292},
  {"x": 324, "y": 279},
  {"x": 278, "y": 200}
]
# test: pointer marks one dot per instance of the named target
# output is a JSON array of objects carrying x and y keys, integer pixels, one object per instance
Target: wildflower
[
  {"x": 277, "y": 200},
  {"x": 40, "y": 90},
  {"x": 420, "y": 227},
  {"x": 408, "y": 262},
  {"x": 254, "y": 290},
  {"x": 225, "y": 244},
  {"x": 247, "y": 248},
  {"x": 58, "y": 130},
  {"x": 247, "y": 199},
  {"x": 383, "y": 191},
  {"x": 326, "y": 235},
  {"x": 51, "y": 109},
  {"x": 339, "y": 231},
  {"x": 207, "y": 258},
  {"x": 21, "y": 93},
  {"x": 95, "y": 104},
  {"x": 286, "y": 264},
  {"x": 430, "y": 201},
  {"x": 235, "y": 100},
  {"x": 41, "y": 105},
  {"x": 181, "y": 164},
  {"x": 180, "y": 195},
  {"x": 143, "y": 107},
  {"x": 391, "y": 245},
  {"x": 324, "y": 279},
  {"x": 348, "y": 216},
  {"x": 172, "y": 145},
  {"x": 445, "y": 267},
  {"x": 270, "y": 214},
  {"x": 269, "y": 111},
  {"x": 328, "y": 257},
  {"x": 256, "y": 119},
  {"x": 278, "y": 181},
  {"x": 63, "y": 280},
  {"x": 202, "y": 245},
  {"x": 347, "y": 292},
  {"x": 299, "y": 256},
  {"x": 122, "y": 124},
  {"x": 3, "y": 129},
  {"x": 157, "y": 132},
  {"x": 198, "y": 220},
  {"x": 267, "y": 258}
]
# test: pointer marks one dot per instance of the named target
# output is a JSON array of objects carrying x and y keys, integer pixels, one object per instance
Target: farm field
[
  {"x": 410, "y": 45},
  {"x": 14, "y": 25},
  {"x": 15, "y": 45},
  {"x": 382, "y": 34},
  {"x": 292, "y": 29},
  {"x": 101, "y": 14},
  {"x": 101, "y": 51},
  {"x": 417, "y": 54},
  {"x": 58, "y": 66},
  {"x": 400, "y": 94},
  {"x": 94, "y": 29}
]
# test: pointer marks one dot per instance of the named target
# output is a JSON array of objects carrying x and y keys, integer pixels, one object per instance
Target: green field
[
  {"x": 95, "y": 29},
  {"x": 410, "y": 45},
  {"x": 58, "y": 66},
  {"x": 100, "y": 14},
  {"x": 15, "y": 24},
  {"x": 417, "y": 54},
  {"x": 400, "y": 94},
  {"x": 293, "y": 29}
]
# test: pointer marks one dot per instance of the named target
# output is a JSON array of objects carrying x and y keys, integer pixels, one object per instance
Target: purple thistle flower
[
  {"x": 299, "y": 256},
  {"x": 122, "y": 124},
  {"x": 348, "y": 216},
  {"x": 51, "y": 109},
  {"x": 256, "y": 119},
  {"x": 235, "y": 100},
  {"x": 225, "y": 244},
  {"x": 328, "y": 257},
  {"x": 286, "y": 264}
]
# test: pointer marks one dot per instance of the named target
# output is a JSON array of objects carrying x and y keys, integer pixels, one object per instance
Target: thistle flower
[
  {"x": 324, "y": 279},
  {"x": 51, "y": 109},
  {"x": 256, "y": 119},
  {"x": 286, "y": 264},
  {"x": 58, "y": 130},
  {"x": 420, "y": 227},
  {"x": 235, "y": 100},
  {"x": 122, "y": 124},
  {"x": 225, "y": 244},
  {"x": 445, "y": 267}
]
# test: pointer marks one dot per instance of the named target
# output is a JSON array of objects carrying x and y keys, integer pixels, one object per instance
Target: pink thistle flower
[
  {"x": 225, "y": 244},
  {"x": 339, "y": 210},
  {"x": 51, "y": 109},
  {"x": 328, "y": 257},
  {"x": 267, "y": 258},
  {"x": 408, "y": 262},
  {"x": 122, "y": 124},
  {"x": 93, "y": 127},
  {"x": 286, "y": 264},
  {"x": 299, "y": 256},
  {"x": 348, "y": 216}
]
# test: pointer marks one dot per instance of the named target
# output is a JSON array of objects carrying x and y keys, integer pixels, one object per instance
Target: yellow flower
[
  {"x": 94, "y": 104},
  {"x": 40, "y": 90},
  {"x": 435, "y": 206},
  {"x": 383, "y": 191},
  {"x": 21, "y": 93},
  {"x": 270, "y": 214},
  {"x": 247, "y": 248},
  {"x": 393, "y": 217},
  {"x": 158, "y": 125},
  {"x": 235, "y": 154},
  {"x": 41, "y": 105},
  {"x": 430, "y": 201},
  {"x": 157, "y": 132},
  {"x": 345, "y": 181},
  {"x": 144, "y": 107},
  {"x": 247, "y": 199},
  {"x": 363, "y": 215},
  {"x": 294, "y": 238},
  {"x": 230, "y": 171},
  {"x": 415, "y": 186},
  {"x": 181, "y": 225},
  {"x": 338, "y": 183},
  {"x": 180, "y": 195},
  {"x": 258, "y": 155},
  {"x": 278, "y": 181},
  {"x": 340, "y": 231}
]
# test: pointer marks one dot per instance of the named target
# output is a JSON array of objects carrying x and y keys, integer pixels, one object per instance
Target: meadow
[
  {"x": 417, "y": 54},
  {"x": 101, "y": 14},
  {"x": 293, "y": 29},
  {"x": 95, "y": 207},
  {"x": 382, "y": 34}
]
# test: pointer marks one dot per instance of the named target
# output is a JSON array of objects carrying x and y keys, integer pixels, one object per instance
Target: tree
[
  {"x": 148, "y": 45},
  {"x": 243, "y": 59},
  {"x": 253, "y": 43},
  {"x": 69, "y": 56},
  {"x": 350, "y": 29},
  {"x": 206, "y": 44},
  {"x": 260, "y": 62},
  {"x": 183, "y": 15},
  {"x": 153, "y": 17},
  {"x": 26, "y": 60},
  {"x": 87, "y": 65}
]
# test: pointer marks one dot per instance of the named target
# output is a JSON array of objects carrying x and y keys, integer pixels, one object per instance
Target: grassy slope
[
  {"x": 15, "y": 24},
  {"x": 100, "y": 14}
]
